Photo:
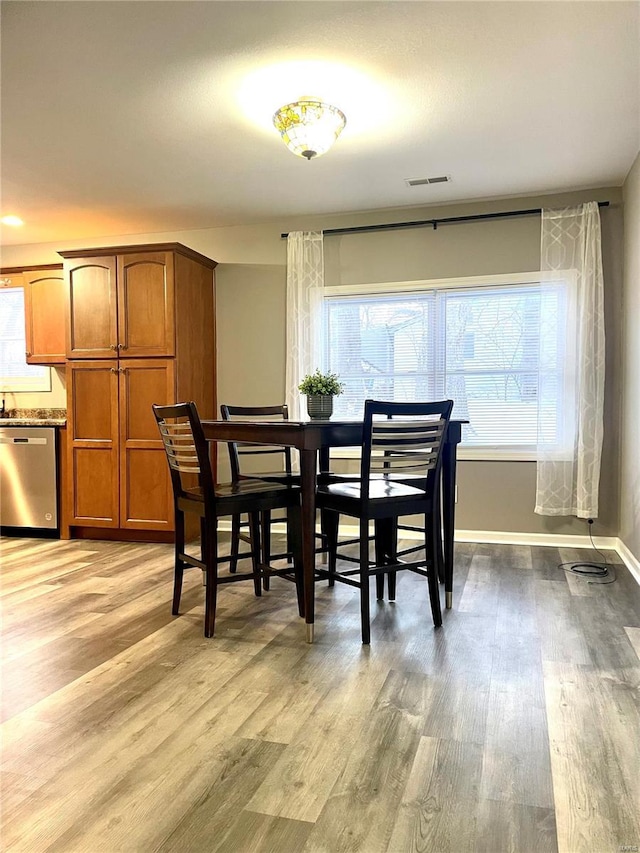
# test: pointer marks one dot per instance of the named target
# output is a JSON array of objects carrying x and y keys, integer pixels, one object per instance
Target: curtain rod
[{"x": 435, "y": 222}]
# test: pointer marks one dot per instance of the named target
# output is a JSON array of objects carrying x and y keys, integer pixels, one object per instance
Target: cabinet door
[
  {"x": 92, "y": 330},
  {"x": 146, "y": 498},
  {"x": 146, "y": 305},
  {"x": 92, "y": 456},
  {"x": 45, "y": 311}
]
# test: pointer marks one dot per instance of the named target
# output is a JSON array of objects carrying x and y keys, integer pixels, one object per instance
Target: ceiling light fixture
[
  {"x": 309, "y": 127},
  {"x": 12, "y": 220}
]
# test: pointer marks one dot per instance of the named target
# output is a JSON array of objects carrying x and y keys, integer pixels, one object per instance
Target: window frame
[{"x": 498, "y": 453}]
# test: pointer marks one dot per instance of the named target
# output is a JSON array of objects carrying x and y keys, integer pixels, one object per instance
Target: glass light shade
[
  {"x": 12, "y": 220},
  {"x": 309, "y": 127}
]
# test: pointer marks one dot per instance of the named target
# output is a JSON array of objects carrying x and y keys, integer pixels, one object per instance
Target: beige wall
[
  {"x": 251, "y": 317},
  {"x": 630, "y": 431}
]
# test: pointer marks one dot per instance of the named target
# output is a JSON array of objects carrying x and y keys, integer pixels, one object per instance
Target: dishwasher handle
[{"x": 5, "y": 439}]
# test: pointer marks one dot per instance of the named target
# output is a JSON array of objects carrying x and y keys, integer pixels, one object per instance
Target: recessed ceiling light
[{"x": 14, "y": 221}]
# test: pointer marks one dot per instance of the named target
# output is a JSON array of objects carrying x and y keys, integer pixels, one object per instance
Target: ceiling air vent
[{"x": 420, "y": 182}]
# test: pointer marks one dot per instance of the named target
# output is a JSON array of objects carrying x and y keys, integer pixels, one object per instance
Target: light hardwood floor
[{"x": 514, "y": 727}]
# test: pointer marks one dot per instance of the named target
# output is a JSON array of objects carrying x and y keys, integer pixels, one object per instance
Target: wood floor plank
[
  {"x": 360, "y": 810},
  {"x": 561, "y": 637},
  {"x": 260, "y": 833},
  {"x": 172, "y": 740},
  {"x": 594, "y": 720},
  {"x": 301, "y": 781},
  {"x": 634, "y": 638},
  {"x": 440, "y": 801},
  {"x": 516, "y": 767},
  {"x": 481, "y": 588},
  {"x": 176, "y": 805},
  {"x": 514, "y": 828}
]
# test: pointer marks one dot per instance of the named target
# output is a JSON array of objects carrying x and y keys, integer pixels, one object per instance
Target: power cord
[{"x": 592, "y": 570}]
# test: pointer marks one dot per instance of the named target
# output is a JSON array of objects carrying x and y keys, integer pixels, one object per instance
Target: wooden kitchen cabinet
[
  {"x": 117, "y": 464},
  {"x": 45, "y": 310},
  {"x": 121, "y": 304},
  {"x": 146, "y": 316}
]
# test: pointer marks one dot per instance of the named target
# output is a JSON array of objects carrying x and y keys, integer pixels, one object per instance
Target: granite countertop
[{"x": 34, "y": 417}]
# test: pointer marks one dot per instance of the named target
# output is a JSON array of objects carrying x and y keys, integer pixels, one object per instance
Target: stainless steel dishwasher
[{"x": 28, "y": 478}]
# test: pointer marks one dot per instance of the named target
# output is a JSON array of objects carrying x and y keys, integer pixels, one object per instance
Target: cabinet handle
[
  {"x": 113, "y": 369},
  {"x": 4, "y": 281},
  {"x": 122, "y": 346},
  {"x": 113, "y": 347},
  {"x": 28, "y": 354}
]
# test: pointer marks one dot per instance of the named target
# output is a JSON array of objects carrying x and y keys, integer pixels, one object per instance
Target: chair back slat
[
  {"x": 406, "y": 447},
  {"x": 186, "y": 448},
  {"x": 180, "y": 447},
  {"x": 404, "y": 440}
]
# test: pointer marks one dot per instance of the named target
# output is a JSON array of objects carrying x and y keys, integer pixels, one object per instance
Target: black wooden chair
[
  {"x": 278, "y": 459},
  {"x": 195, "y": 492},
  {"x": 401, "y": 442}
]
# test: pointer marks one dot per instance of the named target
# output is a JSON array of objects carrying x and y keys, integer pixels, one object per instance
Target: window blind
[
  {"x": 489, "y": 348},
  {"x": 15, "y": 373}
]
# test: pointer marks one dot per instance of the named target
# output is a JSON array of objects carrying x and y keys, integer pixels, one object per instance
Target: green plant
[{"x": 326, "y": 384}]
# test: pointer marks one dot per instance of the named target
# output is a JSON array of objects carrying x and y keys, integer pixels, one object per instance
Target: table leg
[
  {"x": 448, "y": 516},
  {"x": 308, "y": 462}
]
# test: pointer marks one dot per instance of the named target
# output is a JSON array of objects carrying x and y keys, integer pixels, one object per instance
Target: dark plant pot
[{"x": 320, "y": 406}]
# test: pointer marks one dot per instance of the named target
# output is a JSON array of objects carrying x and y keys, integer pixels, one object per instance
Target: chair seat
[
  {"x": 250, "y": 487},
  {"x": 383, "y": 488},
  {"x": 254, "y": 488},
  {"x": 274, "y": 477}
]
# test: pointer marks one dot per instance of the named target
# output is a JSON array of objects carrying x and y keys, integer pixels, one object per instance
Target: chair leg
[
  {"x": 203, "y": 539},
  {"x": 432, "y": 579},
  {"x": 178, "y": 571},
  {"x": 391, "y": 582},
  {"x": 364, "y": 581},
  {"x": 392, "y": 556},
  {"x": 254, "y": 527},
  {"x": 235, "y": 542},
  {"x": 294, "y": 540},
  {"x": 210, "y": 555},
  {"x": 266, "y": 547},
  {"x": 324, "y": 518},
  {"x": 380, "y": 552},
  {"x": 386, "y": 552},
  {"x": 331, "y": 524}
]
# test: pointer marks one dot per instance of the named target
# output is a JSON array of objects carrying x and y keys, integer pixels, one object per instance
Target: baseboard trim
[
  {"x": 551, "y": 540},
  {"x": 629, "y": 559},
  {"x": 509, "y": 537}
]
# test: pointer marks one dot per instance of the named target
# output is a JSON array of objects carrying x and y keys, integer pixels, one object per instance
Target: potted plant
[{"x": 320, "y": 389}]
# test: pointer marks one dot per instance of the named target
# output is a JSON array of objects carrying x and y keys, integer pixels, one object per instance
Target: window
[
  {"x": 498, "y": 347},
  {"x": 15, "y": 373}
]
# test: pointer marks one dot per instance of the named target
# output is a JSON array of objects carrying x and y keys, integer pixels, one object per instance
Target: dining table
[{"x": 313, "y": 440}]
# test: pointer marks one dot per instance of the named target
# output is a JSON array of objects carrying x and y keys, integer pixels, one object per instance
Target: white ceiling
[{"x": 131, "y": 117}]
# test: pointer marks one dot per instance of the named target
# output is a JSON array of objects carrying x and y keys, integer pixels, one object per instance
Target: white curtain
[
  {"x": 568, "y": 473},
  {"x": 305, "y": 283}
]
